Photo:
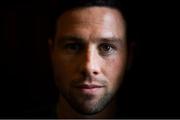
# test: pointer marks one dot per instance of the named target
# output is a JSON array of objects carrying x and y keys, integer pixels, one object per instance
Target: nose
[{"x": 91, "y": 63}]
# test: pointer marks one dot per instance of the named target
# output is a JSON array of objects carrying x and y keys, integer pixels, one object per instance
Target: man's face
[{"x": 89, "y": 57}]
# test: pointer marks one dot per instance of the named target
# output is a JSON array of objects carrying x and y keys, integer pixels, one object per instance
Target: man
[{"x": 88, "y": 48}]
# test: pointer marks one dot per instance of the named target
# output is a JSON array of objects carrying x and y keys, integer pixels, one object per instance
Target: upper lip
[{"x": 89, "y": 86}]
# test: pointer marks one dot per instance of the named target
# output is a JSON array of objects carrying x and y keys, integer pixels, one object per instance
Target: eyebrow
[
  {"x": 71, "y": 38},
  {"x": 113, "y": 40}
]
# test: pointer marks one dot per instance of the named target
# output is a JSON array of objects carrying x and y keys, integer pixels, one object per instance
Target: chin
[{"x": 90, "y": 106}]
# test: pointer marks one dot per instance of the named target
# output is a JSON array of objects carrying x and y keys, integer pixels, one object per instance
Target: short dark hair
[{"x": 66, "y": 5}]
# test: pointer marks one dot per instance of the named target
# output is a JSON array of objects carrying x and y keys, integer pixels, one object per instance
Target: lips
[
  {"x": 92, "y": 89},
  {"x": 89, "y": 86}
]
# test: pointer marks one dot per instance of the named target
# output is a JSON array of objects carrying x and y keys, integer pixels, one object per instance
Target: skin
[{"x": 89, "y": 49}]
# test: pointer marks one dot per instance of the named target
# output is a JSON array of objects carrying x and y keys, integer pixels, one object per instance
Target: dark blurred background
[{"x": 26, "y": 82}]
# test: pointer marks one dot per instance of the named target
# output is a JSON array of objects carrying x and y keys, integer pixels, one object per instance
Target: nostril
[{"x": 95, "y": 72}]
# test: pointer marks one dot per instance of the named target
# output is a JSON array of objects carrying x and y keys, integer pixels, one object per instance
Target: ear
[
  {"x": 50, "y": 45},
  {"x": 131, "y": 54}
]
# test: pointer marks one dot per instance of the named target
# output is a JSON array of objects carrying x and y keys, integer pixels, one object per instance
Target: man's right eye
[{"x": 72, "y": 47}]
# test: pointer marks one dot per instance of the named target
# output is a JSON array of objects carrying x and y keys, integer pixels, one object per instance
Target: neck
[{"x": 64, "y": 110}]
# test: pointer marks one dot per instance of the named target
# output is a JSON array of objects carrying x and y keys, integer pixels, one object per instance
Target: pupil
[{"x": 106, "y": 47}]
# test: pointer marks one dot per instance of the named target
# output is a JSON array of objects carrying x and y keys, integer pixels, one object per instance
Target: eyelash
[
  {"x": 110, "y": 50},
  {"x": 105, "y": 49}
]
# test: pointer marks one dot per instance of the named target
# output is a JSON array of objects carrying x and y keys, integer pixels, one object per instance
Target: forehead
[{"x": 92, "y": 19}]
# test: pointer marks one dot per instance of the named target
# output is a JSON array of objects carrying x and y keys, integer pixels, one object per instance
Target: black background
[{"x": 26, "y": 78}]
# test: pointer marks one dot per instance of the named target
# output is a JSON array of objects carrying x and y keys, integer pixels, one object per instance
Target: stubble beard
[{"x": 84, "y": 104}]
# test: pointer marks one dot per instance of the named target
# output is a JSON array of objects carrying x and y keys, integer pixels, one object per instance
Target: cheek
[
  {"x": 114, "y": 71},
  {"x": 63, "y": 69}
]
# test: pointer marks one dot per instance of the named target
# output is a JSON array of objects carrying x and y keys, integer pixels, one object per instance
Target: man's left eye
[{"x": 106, "y": 48}]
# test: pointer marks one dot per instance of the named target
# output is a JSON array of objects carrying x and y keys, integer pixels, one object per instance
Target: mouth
[{"x": 89, "y": 89}]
